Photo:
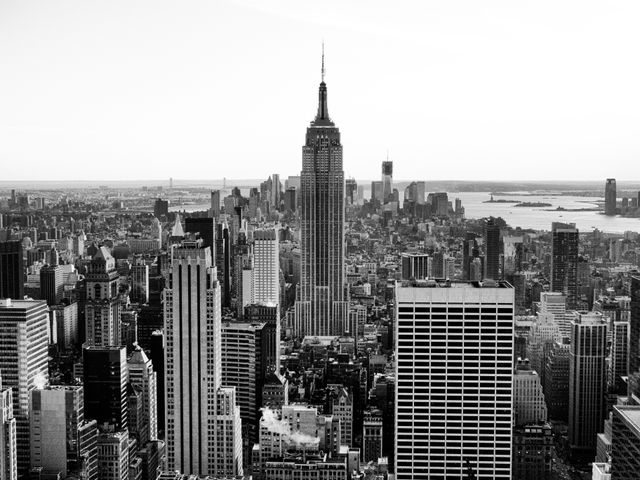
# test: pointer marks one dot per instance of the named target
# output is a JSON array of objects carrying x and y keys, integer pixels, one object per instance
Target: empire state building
[{"x": 321, "y": 308}]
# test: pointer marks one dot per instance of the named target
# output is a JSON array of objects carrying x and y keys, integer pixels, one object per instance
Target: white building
[
  {"x": 8, "y": 452},
  {"x": 528, "y": 400},
  {"x": 23, "y": 323},
  {"x": 265, "y": 283},
  {"x": 202, "y": 419},
  {"x": 142, "y": 374},
  {"x": 454, "y": 393},
  {"x": 113, "y": 455}
]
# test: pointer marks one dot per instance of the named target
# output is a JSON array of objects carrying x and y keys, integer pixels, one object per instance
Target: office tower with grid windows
[
  {"x": 8, "y": 449},
  {"x": 11, "y": 270},
  {"x": 454, "y": 394},
  {"x": 203, "y": 428},
  {"x": 564, "y": 261},
  {"x": 102, "y": 310},
  {"x": 587, "y": 382},
  {"x": 321, "y": 308}
]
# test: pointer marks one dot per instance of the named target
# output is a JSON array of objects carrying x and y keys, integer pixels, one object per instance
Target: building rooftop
[{"x": 631, "y": 415}]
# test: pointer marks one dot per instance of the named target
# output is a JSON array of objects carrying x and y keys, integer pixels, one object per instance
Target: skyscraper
[
  {"x": 587, "y": 381},
  {"x": 265, "y": 282},
  {"x": 634, "y": 337},
  {"x": 8, "y": 453},
  {"x": 51, "y": 284},
  {"x": 142, "y": 375},
  {"x": 387, "y": 181},
  {"x": 492, "y": 250},
  {"x": 105, "y": 379},
  {"x": 11, "y": 270},
  {"x": 610, "y": 197},
  {"x": 564, "y": 261},
  {"x": 102, "y": 311},
  {"x": 321, "y": 309},
  {"x": 215, "y": 204},
  {"x": 454, "y": 359},
  {"x": 23, "y": 356},
  {"x": 203, "y": 428}
]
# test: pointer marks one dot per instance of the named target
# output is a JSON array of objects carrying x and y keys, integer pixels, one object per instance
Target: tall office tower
[
  {"x": 51, "y": 284},
  {"x": 223, "y": 262},
  {"x": 634, "y": 337},
  {"x": 290, "y": 199},
  {"x": 543, "y": 334},
  {"x": 105, "y": 379},
  {"x": 215, "y": 204},
  {"x": 351, "y": 189},
  {"x": 269, "y": 316},
  {"x": 102, "y": 310},
  {"x": 454, "y": 360},
  {"x": 587, "y": 380},
  {"x": 492, "y": 250},
  {"x": 205, "y": 228},
  {"x": 276, "y": 187},
  {"x": 376, "y": 191},
  {"x": 528, "y": 399},
  {"x": 321, "y": 308},
  {"x": 11, "y": 270},
  {"x": 556, "y": 381},
  {"x": 161, "y": 208},
  {"x": 619, "y": 361},
  {"x": 113, "y": 455},
  {"x": 199, "y": 412},
  {"x": 8, "y": 448},
  {"x": 23, "y": 356},
  {"x": 415, "y": 266},
  {"x": 610, "y": 197},
  {"x": 564, "y": 261},
  {"x": 469, "y": 252},
  {"x": 387, "y": 181},
  {"x": 625, "y": 442},
  {"x": 139, "y": 282},
  {"x": 247, "y": 358},
  {"x": 57, "y": 418},
  {"x": 142, "y": 375},
  {"x": 156, "y": 353},
  {"x": 372, "y": 436},
  {"x": 265, "y": 283}
]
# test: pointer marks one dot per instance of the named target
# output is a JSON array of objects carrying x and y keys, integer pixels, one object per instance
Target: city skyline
[{"x": 491, "y": 90}]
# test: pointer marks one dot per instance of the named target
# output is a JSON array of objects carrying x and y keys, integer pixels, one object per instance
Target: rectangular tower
[
  {"x": 587, "y": 381},
  {"x": 199, "y": 412},
  {"x": 454, "y": 394},
  {"x": 564, "y": 261},
  {"x": 11, "y": 270},
  {"x": 24, "y": 361}
]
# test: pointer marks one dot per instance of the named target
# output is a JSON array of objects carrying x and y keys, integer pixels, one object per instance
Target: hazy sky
[{"x": 205, "y": 89}]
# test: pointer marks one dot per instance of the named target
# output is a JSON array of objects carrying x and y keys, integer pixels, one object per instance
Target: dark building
[
  {"x": 160, "y": 208},
  {"x": 533, "y": 452},
  {"x": 11, "y": 270},
  {"x": 564, "y": 261},
  {"x": 156, "y": 354},
  {"x": 610, "y": 197},
  {"x": 51, "y": 284},
  {"x": 634, "y": 337},
  {"x": 215, "y": 204},
  {"x": 290, "y": 199},
  {"x": 492, "y": 250},
  {"x": 204, "y": 227},
  {"x": 415, "y": 266},
  {"x": 556, "y": 382},
  {"x": 469, "y": 252},
  {"x": 105, "y": 385},
  {"x": 625, "y": 442}
]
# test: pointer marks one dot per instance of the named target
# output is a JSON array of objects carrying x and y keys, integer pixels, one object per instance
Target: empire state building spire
[{"x": 322, "y": 118}]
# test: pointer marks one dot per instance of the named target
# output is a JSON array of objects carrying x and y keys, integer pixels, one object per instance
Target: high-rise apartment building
[
  {"x": 492, "y": 250},
  {"x": 454, "y": 394},
  {"x": 610, "y": 197},
  {"x": 564, "y": 261},
  {"x": 102, "y": 310},
  {"x": 105, "y": 380},
  {"x": 8, "y": 447},
  {"x": 587, "y": 381},
  {"x": 203, "y": 428},
  {"x": 11, "y": 270},
  {"x": 24, "y": 361},
  {"x": 321, "y": 308}
]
